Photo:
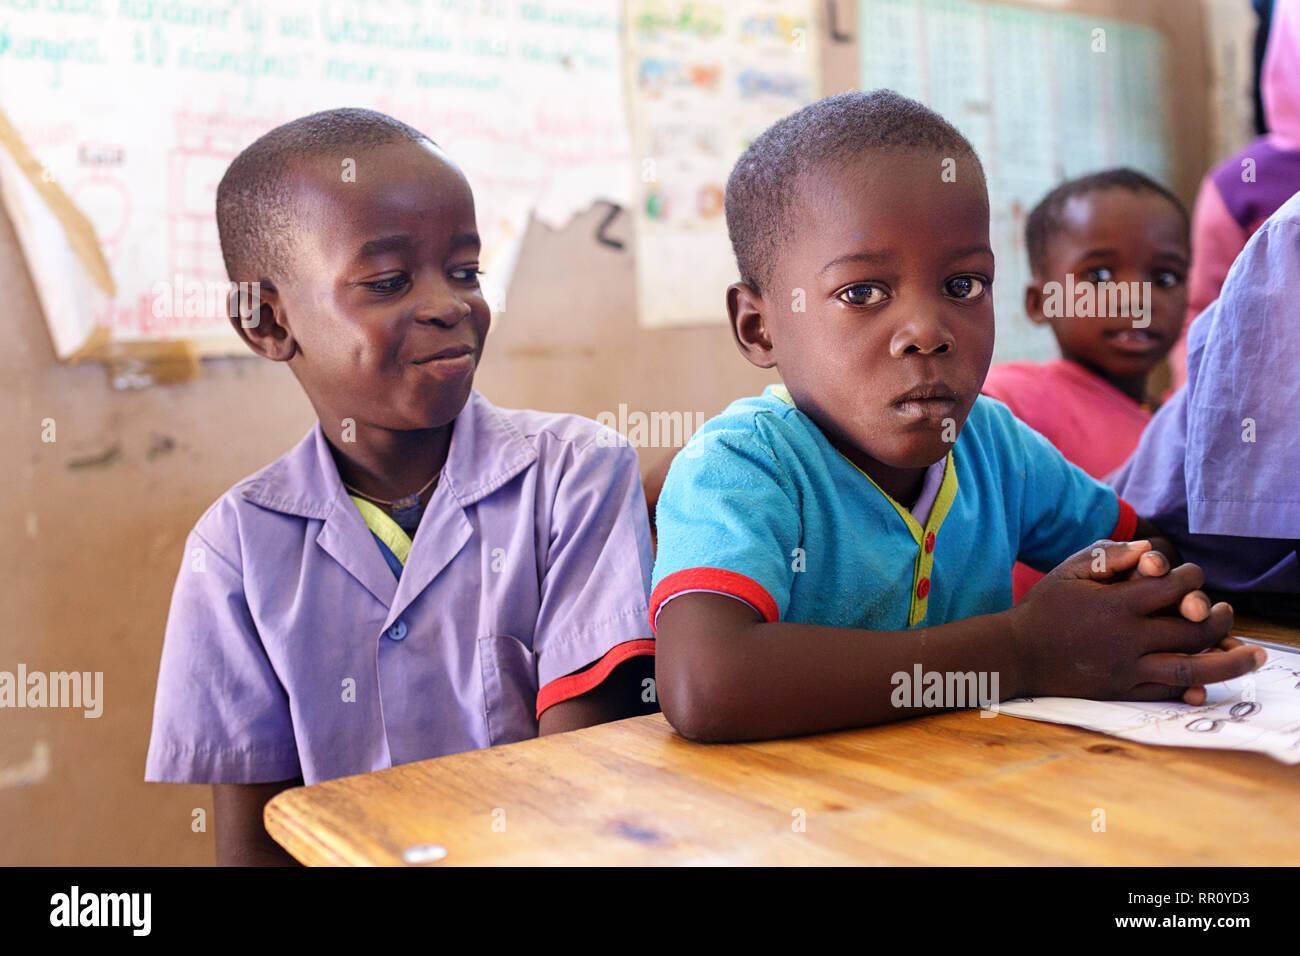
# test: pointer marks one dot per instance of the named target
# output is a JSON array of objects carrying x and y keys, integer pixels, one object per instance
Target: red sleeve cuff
[
  {"x": 714, "y": 579},
  {"x": 575, "y": 685},
  {"x": 1127, "y": 524}
]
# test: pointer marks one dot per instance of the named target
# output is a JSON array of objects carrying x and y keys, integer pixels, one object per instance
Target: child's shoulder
[
  {"x": 769, "y": 416},
  {"x": 994, "y": 430},
  {"x": 543, "y": 429},
  {"x": 559, "y": 443},
  {"x": 988, "y": 416},
  {"x": 279, "y": 487},
  {"x": 1021, "y": 379}
]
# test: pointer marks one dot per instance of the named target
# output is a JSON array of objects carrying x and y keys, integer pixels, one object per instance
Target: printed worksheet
[{"x": 1260, "y": 711}]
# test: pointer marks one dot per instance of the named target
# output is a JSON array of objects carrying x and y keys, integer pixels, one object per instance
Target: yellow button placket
[
  {"x": 923, "y": 566},
  {"x": 924, "y": 563}
]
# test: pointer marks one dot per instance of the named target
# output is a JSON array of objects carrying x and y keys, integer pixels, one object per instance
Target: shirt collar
[
  {"x": 487, "y": 450},
  {"x": 1088, "y": 377}
]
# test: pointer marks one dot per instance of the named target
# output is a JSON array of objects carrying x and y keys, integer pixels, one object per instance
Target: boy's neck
[
  {"x": 388, "y": 464},
  {"x": 902, "y": 484},
  {"x": 1134, "y": 386}
]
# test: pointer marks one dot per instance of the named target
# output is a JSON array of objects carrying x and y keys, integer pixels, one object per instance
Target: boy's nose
[
  {"x": 921, "y": 337},
  {"x": 444, "y": 310}
]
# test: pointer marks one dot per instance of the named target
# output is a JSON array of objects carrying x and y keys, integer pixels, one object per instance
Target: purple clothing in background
[
  {"x": 292, "y": 649},
  {"x": 1246, "y": 188},
  {"x": 1277, "y": 176},
  {"x": 1218, "y": 467}
]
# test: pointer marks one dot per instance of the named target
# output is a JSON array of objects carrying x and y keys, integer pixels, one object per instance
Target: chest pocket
[{"x": 509, "y": 671}]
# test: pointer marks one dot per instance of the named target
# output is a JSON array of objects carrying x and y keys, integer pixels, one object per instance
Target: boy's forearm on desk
[{"x": 723, "y": 674}]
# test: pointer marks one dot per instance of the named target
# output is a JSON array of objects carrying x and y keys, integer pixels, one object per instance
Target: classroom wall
[{"x": 96, "y": 521}]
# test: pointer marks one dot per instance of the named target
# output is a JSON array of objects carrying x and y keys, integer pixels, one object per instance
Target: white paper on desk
[{"x": 1272, "y": 728}]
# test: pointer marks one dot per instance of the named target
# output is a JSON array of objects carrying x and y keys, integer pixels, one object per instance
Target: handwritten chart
[
  {"x": 1043, "y": 96},
  {"x": 1260, "y": 711},
  {"x": 704, "y": 79},
  {"x": 136, "y": 107}
]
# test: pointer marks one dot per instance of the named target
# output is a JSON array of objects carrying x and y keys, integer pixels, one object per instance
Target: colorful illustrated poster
[
  {"x": 704, "y": 79},
  {"x": 136, "y": 108},
  {"x": 1043, "y": 96}
]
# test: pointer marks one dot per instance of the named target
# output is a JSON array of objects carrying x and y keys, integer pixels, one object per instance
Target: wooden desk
[{"x": 955, "y": 788}]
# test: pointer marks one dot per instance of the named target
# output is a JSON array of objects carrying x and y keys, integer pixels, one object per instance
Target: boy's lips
[
  {"x": 1134, "y": 341},
  {"x": 453, "y": 363},
  {"x": 934, "y": 400},
  {"x": 447, "y": 354}
]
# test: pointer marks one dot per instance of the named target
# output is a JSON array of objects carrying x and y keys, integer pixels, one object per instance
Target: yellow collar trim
[
  {"x": 942, "y": 502},
  {"x": 938, "y": 511},
  {"x": 384, "y": 527},
  {"x": 923, "y": 566}
]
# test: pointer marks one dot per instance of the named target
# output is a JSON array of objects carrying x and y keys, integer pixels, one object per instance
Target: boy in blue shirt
[{"x": 863, "y": 518}]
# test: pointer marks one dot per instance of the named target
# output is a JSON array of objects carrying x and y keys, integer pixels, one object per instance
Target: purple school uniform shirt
[
  {"x": 1216, "y": 469},
  {"x": 292, "y": 649}
]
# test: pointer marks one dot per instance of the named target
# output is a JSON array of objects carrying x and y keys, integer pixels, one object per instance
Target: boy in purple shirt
[{"x": 424, "y": 573}]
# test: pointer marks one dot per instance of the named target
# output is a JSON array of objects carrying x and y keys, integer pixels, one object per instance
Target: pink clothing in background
[
  {"x": 1241, "y": 192},
  {"x": 1090, "y": 421}
]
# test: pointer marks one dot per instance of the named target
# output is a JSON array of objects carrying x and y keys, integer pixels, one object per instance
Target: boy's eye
[
  {"x": 1166, "y": 279},
  {"x": 389, "y": 285},
  {"x": 1102, "y": 274},
  {"x": 965, "y": 287},
  {"x": 467, "y": 274},
  {"x": 863, "y": 294}
]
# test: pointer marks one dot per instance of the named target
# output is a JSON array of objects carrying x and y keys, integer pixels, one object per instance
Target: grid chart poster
[
  {"x": 1042, "y": 96},
  {"x": 136, "y": 108},
  {"x": 704, "y": 79}
]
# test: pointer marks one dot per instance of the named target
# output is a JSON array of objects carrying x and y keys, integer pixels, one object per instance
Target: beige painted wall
[{"x": 94, "y": 524}]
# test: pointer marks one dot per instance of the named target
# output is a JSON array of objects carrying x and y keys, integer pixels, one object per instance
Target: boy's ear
[
  {"x": 1034, "y": 303},
  {"x": 745, "y": 309},
  {"x": 257, "y": 314}
]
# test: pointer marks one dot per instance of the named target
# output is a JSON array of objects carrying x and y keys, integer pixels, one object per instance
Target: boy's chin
[
  {"x": 918, "y": 452},
  {"x": 440, "y": 409},
  {"x": 1122, "y": 367},
  {"x": 926, "y": 457}
]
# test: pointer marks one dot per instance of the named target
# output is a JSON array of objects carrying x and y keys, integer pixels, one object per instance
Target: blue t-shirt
[{"x": 760, "y": 506}]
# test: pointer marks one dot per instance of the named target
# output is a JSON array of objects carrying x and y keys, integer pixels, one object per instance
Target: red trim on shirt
[
  {"x": 1127, "y": 524},
  {"x": 714, "y": 579},
  {"x": 575, "y": 685}
]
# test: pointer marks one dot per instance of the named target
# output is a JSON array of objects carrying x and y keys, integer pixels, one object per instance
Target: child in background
[
  {"x": 1116, "y": 226},
  {"x": 424, "y": 573},
  {"x": 1218, "y": 465},
  {"x": 1238, "y": 194},
  {"x": 862, "y": 519}
]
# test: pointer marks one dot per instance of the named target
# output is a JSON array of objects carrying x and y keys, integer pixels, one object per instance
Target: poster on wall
[
  {"x": 132, "y": 111},
  {"x": 703, "y": 80}
]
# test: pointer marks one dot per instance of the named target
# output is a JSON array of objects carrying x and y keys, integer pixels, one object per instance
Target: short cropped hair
[
  {"x": 838, "y": 129},
  {"x": 1046, "y": 219},
  {"x": 255, "y": 198}
]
